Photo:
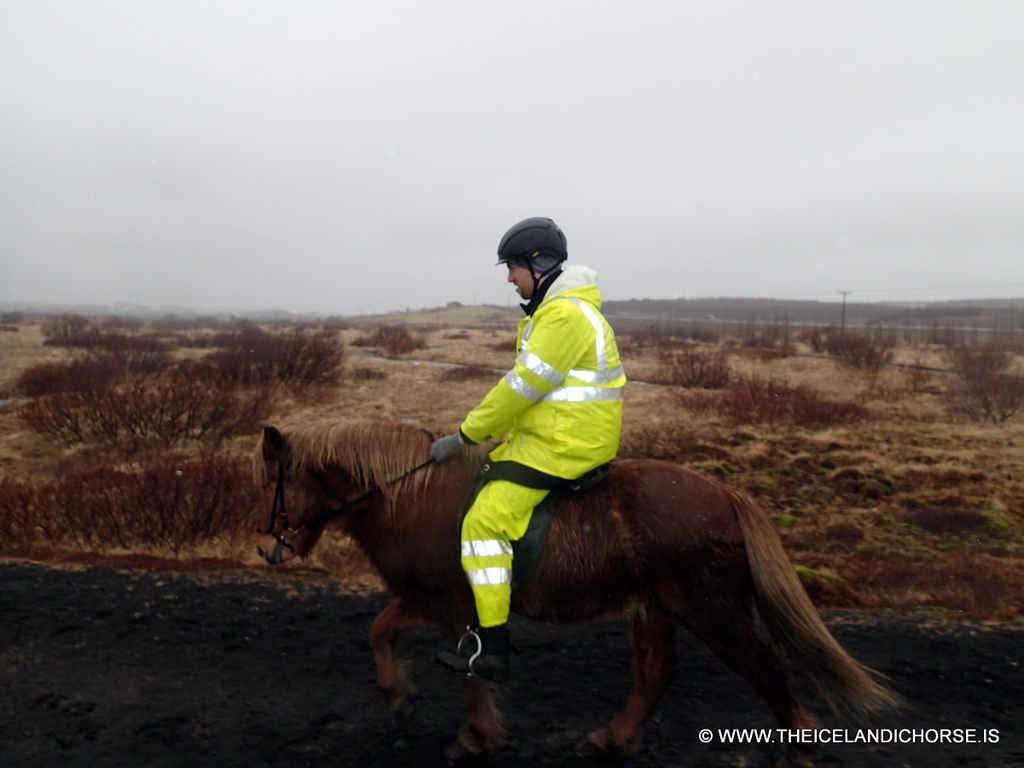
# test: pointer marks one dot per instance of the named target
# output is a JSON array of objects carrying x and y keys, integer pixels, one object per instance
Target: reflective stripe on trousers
[{"x": 500, "y": 514}]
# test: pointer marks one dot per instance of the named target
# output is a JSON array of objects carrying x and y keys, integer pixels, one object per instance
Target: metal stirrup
[{"x": 470, "y": 632}]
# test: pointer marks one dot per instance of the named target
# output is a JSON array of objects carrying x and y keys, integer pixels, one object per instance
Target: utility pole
[{"x": 842, "y": 319}]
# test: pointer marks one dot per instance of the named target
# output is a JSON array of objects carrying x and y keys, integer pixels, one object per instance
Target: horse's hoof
[
  {"x": 563, "y": 739},
  {"x": 594, "y": 745},
  {"x": 456, "y": 753},
  {"x": 600, "y": 744},
  {"x": 464, "y": 747},
  {"x": 467, "y": 747},
  {"x": 406, "y": 710}
]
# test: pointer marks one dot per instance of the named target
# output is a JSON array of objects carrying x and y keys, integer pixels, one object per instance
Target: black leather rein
[{"x": 285, "y": 471}]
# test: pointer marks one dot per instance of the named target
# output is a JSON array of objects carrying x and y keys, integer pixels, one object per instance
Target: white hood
[{"x": 573, "y": 277}]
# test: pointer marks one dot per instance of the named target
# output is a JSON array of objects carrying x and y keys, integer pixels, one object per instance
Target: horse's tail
[{"x": 794, "y": 622}]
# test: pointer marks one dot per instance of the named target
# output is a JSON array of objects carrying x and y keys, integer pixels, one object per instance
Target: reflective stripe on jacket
[{"x": 561, "y": 404}]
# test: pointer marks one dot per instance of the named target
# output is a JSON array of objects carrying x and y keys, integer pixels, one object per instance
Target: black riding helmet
[{"x": 538, "y": 244}]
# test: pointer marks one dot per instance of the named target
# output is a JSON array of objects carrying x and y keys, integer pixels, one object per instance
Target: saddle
[{"x": 527, "y": 550}]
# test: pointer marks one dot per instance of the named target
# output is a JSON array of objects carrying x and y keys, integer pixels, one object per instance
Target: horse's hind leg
[
  {"x": 393, "y": 679},
  {"x": 654, "y": 664},
  {"x": 726, "y": 625}
]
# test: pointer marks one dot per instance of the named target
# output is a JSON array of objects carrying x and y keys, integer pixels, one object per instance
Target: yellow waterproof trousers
[{"x": 500, "y": 514}]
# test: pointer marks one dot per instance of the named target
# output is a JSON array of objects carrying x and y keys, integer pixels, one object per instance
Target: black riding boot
[{"x": 482, "y": 653}]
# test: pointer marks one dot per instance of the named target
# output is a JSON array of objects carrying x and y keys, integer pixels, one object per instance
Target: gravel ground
[{"x": 101, "y": 666}]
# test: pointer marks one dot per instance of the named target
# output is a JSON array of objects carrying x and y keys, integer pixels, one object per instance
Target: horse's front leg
[
  {"x": 393, "y": 679},
  {"x": 654, "y": 663},
  {"x": 483, "y": 733}
]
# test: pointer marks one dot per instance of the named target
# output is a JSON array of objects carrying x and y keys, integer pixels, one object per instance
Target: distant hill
[
  {"x": 995, "y": 312},
  {"x": 627, "y": 315},
  {"x": 1002, "y": 314},
  {"x": 454, "y": 314}
]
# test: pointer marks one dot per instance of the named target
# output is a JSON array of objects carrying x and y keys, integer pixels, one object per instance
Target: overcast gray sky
[{"x": 352, "y": 157}]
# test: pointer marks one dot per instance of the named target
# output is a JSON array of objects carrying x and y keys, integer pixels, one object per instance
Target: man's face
[{"x": 520, "y": 276}]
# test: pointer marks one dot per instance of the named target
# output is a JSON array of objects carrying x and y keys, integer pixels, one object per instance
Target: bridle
[
  {"x": 278, "y": 511},
  {"x": 285, "y": 471}
]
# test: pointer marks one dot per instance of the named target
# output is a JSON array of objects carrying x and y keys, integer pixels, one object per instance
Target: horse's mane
[{"x": 374, "y": 452}]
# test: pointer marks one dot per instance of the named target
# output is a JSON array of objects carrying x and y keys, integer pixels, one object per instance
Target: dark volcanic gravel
[{"x": 108, "y": 667}]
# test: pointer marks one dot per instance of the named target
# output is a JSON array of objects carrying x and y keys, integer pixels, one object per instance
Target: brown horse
[{"x": 655, "y": 542}]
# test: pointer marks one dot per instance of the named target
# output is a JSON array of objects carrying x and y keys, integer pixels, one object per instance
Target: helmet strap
[{"x": 540, "y": 289}]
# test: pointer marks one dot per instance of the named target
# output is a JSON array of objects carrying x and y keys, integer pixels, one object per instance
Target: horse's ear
[{"x": 273, "y": 444}]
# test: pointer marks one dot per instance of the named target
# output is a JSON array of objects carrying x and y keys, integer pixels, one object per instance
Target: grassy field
[{"x": 886, "y": 493}]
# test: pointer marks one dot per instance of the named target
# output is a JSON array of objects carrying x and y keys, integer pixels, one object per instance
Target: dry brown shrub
[
  {"x": 189, "y": 402},
  {"x": 136, "y": 354},
  {"x": 393, "y": 339},
  {"x": 15, "y": 522},
  {"x": 124, "y": 323},
  {"x": 668, "y": 441},
  {"x": 756, "y": 400},
  {"x": 845, "y": 533},
  {"x": 254, "y": 357},
  {"x": 939, "y": 478},
  {"x": 862, "y": 484},
  {"x": 985, "y": 390},
  {"x": 365, "y": 373},
  {"x": 171, "y": 504},
  {"x": 88, "y": 373},
  {"x": 467, "y": 373},
  {"x": 943, "y": 520},
  {"x": 68, "y": 330},
  {"x": 693, "y": 368},
  {"x": 860, "y": 350},
  {"x": 964, "y": 581}
]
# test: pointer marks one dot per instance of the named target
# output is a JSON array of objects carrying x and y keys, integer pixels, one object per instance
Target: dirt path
[{"x": 104, "y": 667}]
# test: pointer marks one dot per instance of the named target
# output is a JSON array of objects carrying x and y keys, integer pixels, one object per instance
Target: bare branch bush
[
  {"x": 394, "y": 339},
  {"x": 91, "y": 372},
  {"x": 108, "y": 357},
  {"x": 861, "y": 351},
  {"x": 172, "y": 503},
  {"x": 766, "y": 401},
  {"x": 986, "y": 390},
  {"x": 189, "y": 402},
  {"x": 68, "y": 330},
  {"x": 136, "y": 354},
  {"x": 15, "y": 504},
  {"x": 695, "y": 367},
  {"x": 255, "y": 357},
  {"x": 657, "y": 335},
  {"x": 467, "y": 373}
]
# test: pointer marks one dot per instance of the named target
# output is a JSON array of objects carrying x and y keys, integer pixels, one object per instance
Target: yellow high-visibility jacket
[{"x": 561, "y": 404}]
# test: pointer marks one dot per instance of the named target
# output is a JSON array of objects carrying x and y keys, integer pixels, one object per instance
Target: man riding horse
[{"x": 561, "y": 408}]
